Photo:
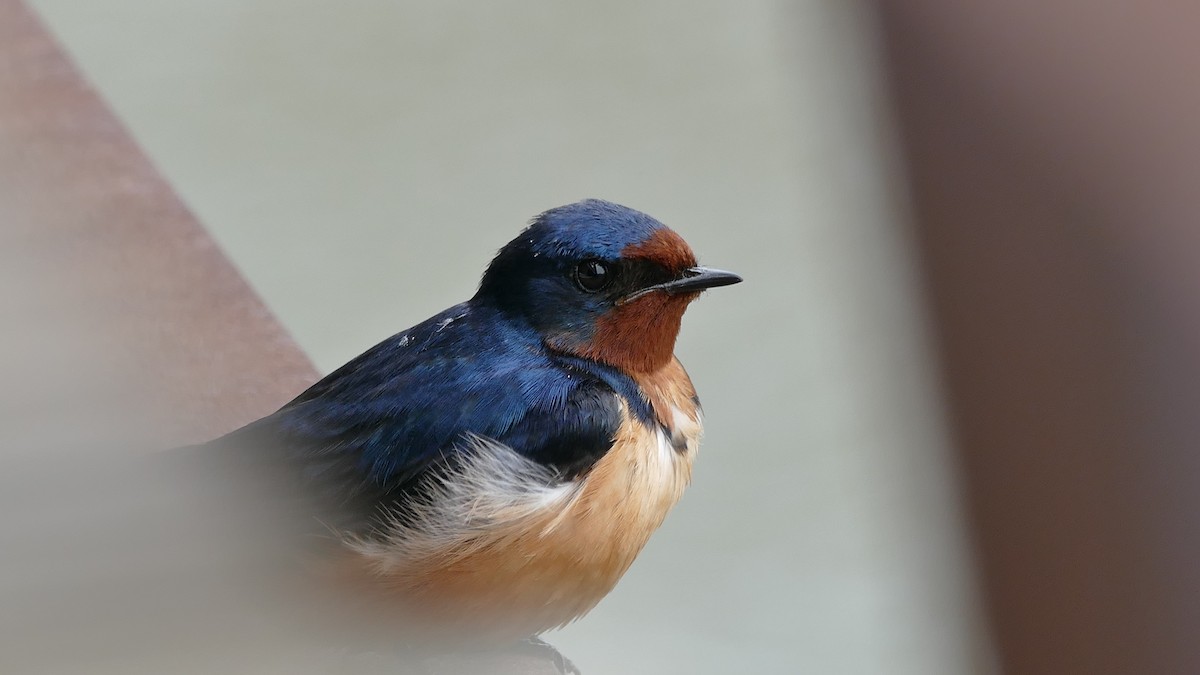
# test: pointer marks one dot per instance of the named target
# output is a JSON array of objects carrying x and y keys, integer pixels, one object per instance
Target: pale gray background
[{"x": 362, "y": 161}]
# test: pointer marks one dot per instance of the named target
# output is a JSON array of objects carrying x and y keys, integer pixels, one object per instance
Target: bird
[{"x": 497, "y": 467}]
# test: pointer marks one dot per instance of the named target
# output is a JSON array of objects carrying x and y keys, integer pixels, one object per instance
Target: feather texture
[{"x": 504, "y": 461}]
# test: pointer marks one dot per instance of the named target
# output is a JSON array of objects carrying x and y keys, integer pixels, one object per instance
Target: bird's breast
[
  {"x": 520, "y": 556},
  {"x": 675, "y": 405}
]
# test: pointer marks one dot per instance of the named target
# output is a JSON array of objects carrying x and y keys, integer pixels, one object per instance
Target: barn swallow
[{"x": 500, "y": 465}]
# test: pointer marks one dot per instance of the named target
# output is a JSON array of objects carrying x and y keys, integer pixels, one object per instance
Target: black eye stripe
[{"x": 643, "y": 273}]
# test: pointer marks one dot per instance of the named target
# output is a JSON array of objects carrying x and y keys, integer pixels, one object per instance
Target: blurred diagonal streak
[{"x": 127, "y": 331}]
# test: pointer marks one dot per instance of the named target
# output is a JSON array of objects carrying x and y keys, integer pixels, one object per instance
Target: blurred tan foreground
[{"x": 125, "y": 331}]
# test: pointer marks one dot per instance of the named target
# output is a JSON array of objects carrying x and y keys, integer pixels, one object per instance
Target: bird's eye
[{"x": 592, "y": 275}]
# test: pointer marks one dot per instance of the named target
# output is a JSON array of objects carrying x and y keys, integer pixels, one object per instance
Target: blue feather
[{"x": 375, "y": 428}]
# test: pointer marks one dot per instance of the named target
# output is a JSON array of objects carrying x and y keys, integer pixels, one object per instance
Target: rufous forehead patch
[{"x": 665, "y": 248}]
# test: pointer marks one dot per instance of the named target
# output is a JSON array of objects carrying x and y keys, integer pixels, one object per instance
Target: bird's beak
[
  {"x": 693, "y": 279},
  {"x": 698, "y": 279}
]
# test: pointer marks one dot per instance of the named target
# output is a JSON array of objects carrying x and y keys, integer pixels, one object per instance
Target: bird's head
[{"x": 602, "y": 281}]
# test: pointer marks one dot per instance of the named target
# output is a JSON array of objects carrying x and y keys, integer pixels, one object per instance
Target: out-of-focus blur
[{"x": 1053, "y": 151}]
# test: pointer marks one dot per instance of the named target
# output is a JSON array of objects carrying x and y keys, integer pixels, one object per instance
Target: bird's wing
[{"x": 375, "y": 427}]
